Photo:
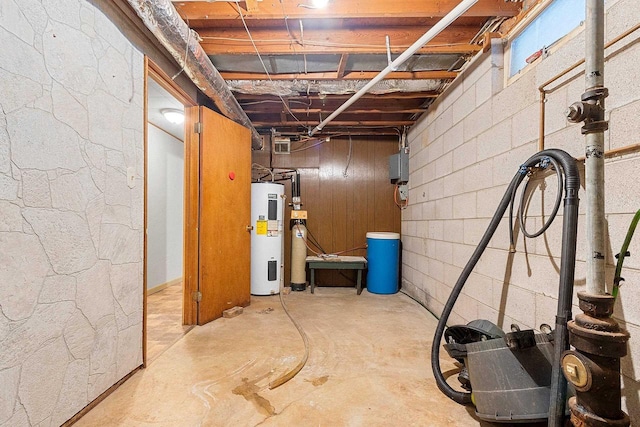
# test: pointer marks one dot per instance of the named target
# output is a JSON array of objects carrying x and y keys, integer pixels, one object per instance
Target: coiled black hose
[
  {"x": 552, "y": 216},
  {"x": 566, "y": 164}
]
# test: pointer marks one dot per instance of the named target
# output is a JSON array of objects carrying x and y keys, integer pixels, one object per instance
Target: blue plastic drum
[{"x": 383, "y": 258}]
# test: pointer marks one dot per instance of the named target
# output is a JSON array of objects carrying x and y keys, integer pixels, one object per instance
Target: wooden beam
[
  {"x": 338, "y": 132},
  {"x": 381, "y": 123},
  {"x": 341, "y": 65},
  {"x": 256, "y": 109},
  {"x": 362, "y": 75},
  {"x": 345, "y": 9},
  {"x": 251, "y": 5},
  {"x": 271, "y": 41},
  {"x": 486, "y": 40}
]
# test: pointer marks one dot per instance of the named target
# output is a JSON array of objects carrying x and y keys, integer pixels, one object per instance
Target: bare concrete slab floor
[{"x": 368, "y": 366}]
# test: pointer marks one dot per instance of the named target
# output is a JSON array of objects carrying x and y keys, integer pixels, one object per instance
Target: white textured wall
[
  {"x": 465, "y": 151},
  {"x": 71, "y": 122},
  {"x": 165, "y": 207}
]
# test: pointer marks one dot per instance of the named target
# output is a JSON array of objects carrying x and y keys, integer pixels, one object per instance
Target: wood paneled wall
[{"x": 342, "y": 209}]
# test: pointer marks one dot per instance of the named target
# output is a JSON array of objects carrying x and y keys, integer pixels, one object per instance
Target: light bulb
[
  {"x": 320, "y": 3},
  {"x": 173, "y": 116}
]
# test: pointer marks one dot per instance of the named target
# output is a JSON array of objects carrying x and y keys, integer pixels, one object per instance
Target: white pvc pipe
[{"x": 393, "y": 66}]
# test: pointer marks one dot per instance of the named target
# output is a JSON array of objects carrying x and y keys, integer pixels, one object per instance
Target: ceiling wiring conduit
[
  {"x": 163, "y": 20},
  {"x": 461, "y": 8}
]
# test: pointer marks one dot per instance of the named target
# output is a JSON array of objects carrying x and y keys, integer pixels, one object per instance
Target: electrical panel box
[{"x": 399, "y": 168}]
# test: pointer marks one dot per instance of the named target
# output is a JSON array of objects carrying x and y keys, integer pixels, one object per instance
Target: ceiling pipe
[
  {"x": 461, "y": 8},
  {"x": 163, "y": 20}
]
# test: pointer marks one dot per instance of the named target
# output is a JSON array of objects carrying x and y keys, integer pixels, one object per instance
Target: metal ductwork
[
  {"x": 163, "y": 20},
  {"x": 329, "y": 87}
]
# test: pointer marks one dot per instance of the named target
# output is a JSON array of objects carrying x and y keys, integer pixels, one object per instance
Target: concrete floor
[{"x": 368, "y": 366}]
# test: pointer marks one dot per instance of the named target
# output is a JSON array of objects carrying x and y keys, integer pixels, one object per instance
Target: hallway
[
  {"x": 164, "y": 320},
  {"x": 368, "y": 366}
]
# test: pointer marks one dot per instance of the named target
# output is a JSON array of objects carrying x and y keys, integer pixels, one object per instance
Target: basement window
[{"x": 544, "y": 31}]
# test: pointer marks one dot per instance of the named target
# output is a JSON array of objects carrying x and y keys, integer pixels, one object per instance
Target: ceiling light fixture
[
  {"x": 315, "y": 4},
  {"x": 173, "y": 115}
]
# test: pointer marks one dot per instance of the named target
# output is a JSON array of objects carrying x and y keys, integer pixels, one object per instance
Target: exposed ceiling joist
[
  {"x": 337, "y": 123},
  {"x": 340, "y": 9},
  {"x": 363, "y": 75},
  {"x": 312, "y": 60},
  {"x": 336, "y": 41}
]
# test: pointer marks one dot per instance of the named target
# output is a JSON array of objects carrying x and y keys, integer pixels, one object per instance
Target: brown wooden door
[{"x": 225, "y": 213}]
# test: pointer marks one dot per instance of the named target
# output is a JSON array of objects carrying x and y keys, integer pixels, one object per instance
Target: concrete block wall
[
  {"x": 465, "y": 151},
  {"x": 71, "y": 125}
]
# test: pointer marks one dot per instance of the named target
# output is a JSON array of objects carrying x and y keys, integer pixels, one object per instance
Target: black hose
[
  {"x": 565, "y": 294},
  {"x": 567, "y": 270},
  {"x": 554, "y": 212},
  {"x": 523, "y": 194}
]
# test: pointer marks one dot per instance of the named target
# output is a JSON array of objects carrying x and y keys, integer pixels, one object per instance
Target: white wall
[
  {"x": 465, "y": 151},
  {"x": 165, "y": 207},
  {"x": 71, "y": 123}
]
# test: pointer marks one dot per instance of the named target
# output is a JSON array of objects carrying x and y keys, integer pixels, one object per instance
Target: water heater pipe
[{"x": 461, "y": 8}]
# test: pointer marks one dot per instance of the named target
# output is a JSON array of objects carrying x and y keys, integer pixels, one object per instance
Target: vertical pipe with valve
[
  {"x": 298, "y": 239},
  {"x": 594, "y": 128},
  {"x": 593, "y": 368}
]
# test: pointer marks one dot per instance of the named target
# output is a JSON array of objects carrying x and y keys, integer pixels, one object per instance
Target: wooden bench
[{"x": 337, "y": 263}]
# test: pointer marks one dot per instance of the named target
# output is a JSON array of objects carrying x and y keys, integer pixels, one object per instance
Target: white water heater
[{"x": 267, "y": 237}]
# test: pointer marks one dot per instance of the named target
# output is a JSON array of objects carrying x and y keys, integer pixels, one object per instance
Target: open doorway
[{"x": 164, "y": 266}]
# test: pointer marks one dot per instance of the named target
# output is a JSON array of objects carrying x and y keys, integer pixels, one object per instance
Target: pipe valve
[
  {"x": 577, "y": 112},
  {"x": 590, "y": 110}
]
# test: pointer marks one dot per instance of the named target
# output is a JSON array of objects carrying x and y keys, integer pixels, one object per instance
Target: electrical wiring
[
  {"x": 306, "y": 242},
  {"x": 323, "y": 254},
  {"x": 404, "y": 203},
  {"x": 286, "y": 24},
  {"x": 320, "y": 142},
  {"x": 263, "y": 168},
  {"x": 345, "y": 174},
  {"x": 314, "y": 241},
  {"x": 286, "y": 106}
]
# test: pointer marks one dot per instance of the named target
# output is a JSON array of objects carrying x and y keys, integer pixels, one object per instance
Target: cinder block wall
[
  {"x": 71, "y": 124},
  {"x": 465, "y": 151}
]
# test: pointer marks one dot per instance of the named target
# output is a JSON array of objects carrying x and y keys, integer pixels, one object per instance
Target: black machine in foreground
[{"x": 516, "y": 376}]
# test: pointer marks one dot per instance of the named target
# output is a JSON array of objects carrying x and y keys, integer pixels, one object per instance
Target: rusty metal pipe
[{"x": 594, "y": 366}]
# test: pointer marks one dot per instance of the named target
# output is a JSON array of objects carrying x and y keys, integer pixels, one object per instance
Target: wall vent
[{"x": 281, "y": 145}]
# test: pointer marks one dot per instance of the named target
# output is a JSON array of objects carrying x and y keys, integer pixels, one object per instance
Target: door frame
[{"x": 152, "y": 70}]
